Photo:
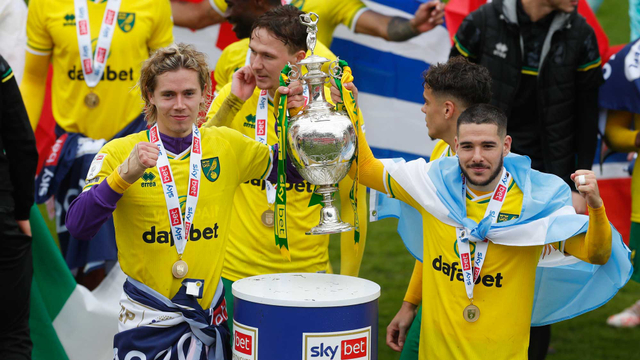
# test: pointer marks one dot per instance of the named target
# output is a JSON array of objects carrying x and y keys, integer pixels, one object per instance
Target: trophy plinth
[{"x": 321, "y": 141}]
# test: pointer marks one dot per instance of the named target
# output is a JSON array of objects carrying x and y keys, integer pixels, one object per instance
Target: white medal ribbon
[
  {"x": 471, "y": 271},
  {"x": 262, "y": 130},
  {"x": 93, "y": 69},
  {"x": 179, "y": 228}
]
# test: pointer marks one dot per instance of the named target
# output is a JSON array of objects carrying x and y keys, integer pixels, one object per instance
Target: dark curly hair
[
  {"x": 468, "y": 82},
  {"x": 484, "y": 114},
  {"x": 284, "y": 23}
]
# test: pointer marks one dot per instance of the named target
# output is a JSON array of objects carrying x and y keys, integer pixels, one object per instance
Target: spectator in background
[
  {"x": 18, "y": 161},
  {"x": 544, "y": 61},
  {"x": 94, "y": 98},
  {"x": 13, "y": 36},
  {"x": 354, "y": 14},
  {"x": 621, "y": 96}
]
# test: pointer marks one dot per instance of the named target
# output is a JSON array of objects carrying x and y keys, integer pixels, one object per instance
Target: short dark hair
[
  {"x": 284, "y": 23},
  {"x": 468, "y": 82},
  {"x": 484, "y": 114}
]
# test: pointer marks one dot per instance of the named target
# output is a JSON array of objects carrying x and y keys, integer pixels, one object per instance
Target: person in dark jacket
[
  {"x": 18, "y": 162},
  {"x": 546, "y": 69}
]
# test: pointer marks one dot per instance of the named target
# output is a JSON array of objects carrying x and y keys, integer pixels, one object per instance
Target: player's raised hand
[
  {"x": 587, "y": 185},
  {"x": 243, "y": 83},
  {"x": 143, "y": 156},
  {"x": 428, "y": 16}
]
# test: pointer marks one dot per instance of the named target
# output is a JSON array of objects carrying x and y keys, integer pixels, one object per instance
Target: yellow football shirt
[
  {"x": 331, "y": 12},
  {"x": 142, "y": 26},
  {"x": 145, "y": 248},
  {"x": 235, "y": 56},
  {"x": 503, "y": 293}
]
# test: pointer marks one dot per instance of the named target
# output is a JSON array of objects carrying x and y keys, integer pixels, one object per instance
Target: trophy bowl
[{"x": 321, "y": 141}]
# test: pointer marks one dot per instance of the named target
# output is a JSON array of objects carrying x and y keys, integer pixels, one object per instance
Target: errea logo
[
  {"x": 69, "y": 20},
  {"x": 501, "y": 50},
  {"x": 148, "y": 179}
]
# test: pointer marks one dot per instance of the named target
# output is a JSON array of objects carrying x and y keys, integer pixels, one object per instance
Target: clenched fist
[
  {"x": 143, "y": 156},
  {"x": 587, "y": 185}
]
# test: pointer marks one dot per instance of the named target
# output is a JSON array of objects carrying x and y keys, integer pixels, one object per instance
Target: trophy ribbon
[
  {"x": 342, "y": 74},
  {"x": 280, "y": 226}
]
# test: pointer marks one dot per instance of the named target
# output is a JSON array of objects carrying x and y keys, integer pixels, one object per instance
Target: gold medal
[
  {"x": 268, "y": 218},
  {"x": 179, "y": 269},
  {"x": 91, "y": 100},
  {"x": 471, "y": 313}
]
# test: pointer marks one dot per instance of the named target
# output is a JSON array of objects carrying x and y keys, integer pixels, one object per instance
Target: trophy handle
[
  {"x": 335, "y": 70},
  {"x": 295, "y": 73}
]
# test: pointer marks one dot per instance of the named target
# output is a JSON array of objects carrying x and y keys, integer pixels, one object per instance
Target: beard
[{"x": 493, "y": 176}]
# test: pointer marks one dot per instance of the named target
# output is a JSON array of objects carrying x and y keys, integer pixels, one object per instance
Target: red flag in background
[{"x": 456, "y": 10}]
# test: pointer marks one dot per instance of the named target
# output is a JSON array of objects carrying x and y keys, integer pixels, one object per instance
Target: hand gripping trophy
[{"x": 321, "y": 140}]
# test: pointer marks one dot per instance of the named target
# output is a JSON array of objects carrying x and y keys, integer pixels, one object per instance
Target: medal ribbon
[
  {"x": 355, "y": 115},
  {"x": 471, "y": 271},
  {"x": 262, "y": 131},
  {"x": 179, "y": 228},
  {"x": 280, "y": 227},
  {"x": 92, "y": 69}
]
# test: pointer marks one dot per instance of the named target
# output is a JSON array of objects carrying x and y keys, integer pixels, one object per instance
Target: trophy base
[{"x": 330, "y": 222}]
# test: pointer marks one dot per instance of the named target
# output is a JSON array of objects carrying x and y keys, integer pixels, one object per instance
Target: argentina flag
[{"x": 547, "y": 217}]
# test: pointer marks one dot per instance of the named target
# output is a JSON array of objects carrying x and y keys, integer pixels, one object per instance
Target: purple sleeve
[
  {"x": 293, "y": 176},
  {"x": 90, "y": 210}
]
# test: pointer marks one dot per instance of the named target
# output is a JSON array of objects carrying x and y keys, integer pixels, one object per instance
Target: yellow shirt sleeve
[
  {"x": 593, "y": 247},
  {"x": 220, "y": 6},
  {"x": 217, "y": 102},
  {"x": 223, "y": 71},
  {"x": 345, "y": 11},
  {"x": 414, "y": 291},
  {"x": 39, "y": 41},
  {"x": 162, "y": 34},
  {"x": 618, "y": 131}
]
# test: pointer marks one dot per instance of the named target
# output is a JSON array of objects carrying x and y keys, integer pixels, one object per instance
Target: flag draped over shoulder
[
  {"x": 621, "y": 90},
  {"x": 546, "y": 217}
]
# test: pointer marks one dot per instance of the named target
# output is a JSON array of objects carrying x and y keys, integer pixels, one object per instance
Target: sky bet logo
[
  {"x": 500, "y": 192},
  {"x": 347, "y": 345}
]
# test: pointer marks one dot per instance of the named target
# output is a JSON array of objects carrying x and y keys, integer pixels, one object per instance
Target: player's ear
[
  {"x": 300, "y": 54},
  {"x": 150, "y": 97},
  {"x": 507, "y": 145},
  {"x": 449, "y": 109}
]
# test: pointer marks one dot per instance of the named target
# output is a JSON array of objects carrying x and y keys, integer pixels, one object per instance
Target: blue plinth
[{"x": 305, "y": 316}]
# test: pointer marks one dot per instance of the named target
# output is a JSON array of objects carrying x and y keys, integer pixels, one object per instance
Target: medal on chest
[
  {"x": 93, "y": 62},
  {"x": 471, "y": 268},
  {"x": 180, "y": 227}
]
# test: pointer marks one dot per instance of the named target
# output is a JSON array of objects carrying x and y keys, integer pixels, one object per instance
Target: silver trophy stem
[{"x": 330, "y": 222}]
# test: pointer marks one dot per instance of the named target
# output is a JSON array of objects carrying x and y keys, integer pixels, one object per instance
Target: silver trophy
[{"x": 321, "y": 141}]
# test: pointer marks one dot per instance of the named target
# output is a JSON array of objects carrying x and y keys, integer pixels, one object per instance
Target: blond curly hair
[{"x": 172, "y": 58}]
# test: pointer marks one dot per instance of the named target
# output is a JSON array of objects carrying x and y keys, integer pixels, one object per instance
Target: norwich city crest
[
  {"x": 126, "y": 21},
  {"x": 211, "y": 168}
]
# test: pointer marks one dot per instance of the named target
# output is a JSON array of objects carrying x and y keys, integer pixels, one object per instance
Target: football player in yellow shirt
[
  {"x": 246, "y": 105},
  {"x": 93, "y": 91},
  {"x": 352, "y": 13},
  {"x": 100, "y": 111},
  {"x": 505, "y": 285},
  {"x": 170, "y": 190},
  {"x": 445, "y": 98}
]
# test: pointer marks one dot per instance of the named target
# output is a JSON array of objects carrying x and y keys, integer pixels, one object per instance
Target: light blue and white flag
[{"x": 547, "y": 217}]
